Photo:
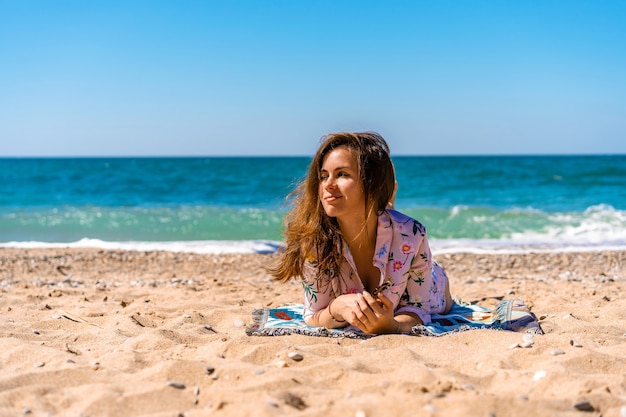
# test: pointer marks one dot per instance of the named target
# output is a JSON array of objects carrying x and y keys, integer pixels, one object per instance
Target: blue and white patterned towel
[{"x": 508, "y": 315}]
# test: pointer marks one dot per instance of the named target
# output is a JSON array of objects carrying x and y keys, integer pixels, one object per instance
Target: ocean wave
[
  {"x": 217, "y": 230},
  {"x": 471, "y": 229},
  {"x": 178, "y": 223}
]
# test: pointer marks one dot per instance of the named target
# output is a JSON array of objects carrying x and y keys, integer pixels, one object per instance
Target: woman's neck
[{"x": 358, "y": 233}]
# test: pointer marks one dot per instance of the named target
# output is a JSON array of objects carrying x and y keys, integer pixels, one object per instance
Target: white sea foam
[
  {"x": 598, "y": 228},
  {"x": 530, "y": 243},
  {"x": 587, "y": 236},
  {"x": 501, "y": 246},
  {"x": 201, "y": 247}
]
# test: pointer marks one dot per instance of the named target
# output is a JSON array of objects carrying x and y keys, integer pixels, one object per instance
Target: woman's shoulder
[
  {"x": 398, "y": 216},
  {"x": 405, "y": 223}
]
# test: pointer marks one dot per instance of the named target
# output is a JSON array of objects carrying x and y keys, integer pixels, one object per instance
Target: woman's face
[{"x": 340, "y": 188}]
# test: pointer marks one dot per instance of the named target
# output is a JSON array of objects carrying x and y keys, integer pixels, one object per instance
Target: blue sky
[{"x": 118, "y": 78}]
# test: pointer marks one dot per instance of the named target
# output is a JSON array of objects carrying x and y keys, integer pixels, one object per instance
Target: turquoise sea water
[{"x": 467, "y": 203}]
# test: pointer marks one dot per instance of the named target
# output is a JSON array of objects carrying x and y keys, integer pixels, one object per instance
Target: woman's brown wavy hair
[{"x": 309, "y": 231}]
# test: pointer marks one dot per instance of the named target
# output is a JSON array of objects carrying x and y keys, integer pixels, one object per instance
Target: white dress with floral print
[{"x": 403, "y": 257}]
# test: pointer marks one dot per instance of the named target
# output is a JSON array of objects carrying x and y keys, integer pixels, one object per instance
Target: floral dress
[{"x": 402, "y": 255}]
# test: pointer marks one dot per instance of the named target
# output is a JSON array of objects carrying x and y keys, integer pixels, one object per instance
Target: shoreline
[
  {"x": 114, "y": 333},
  {"x": 264, "y": 246}
]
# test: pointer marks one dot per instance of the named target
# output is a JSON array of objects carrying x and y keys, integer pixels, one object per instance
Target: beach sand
[{"x": 87, "y": 332}]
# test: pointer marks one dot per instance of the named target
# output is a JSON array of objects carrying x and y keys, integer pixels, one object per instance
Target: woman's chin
[{"x": 330, "y": 211}]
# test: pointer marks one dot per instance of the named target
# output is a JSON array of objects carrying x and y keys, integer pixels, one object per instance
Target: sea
[{"x": 479, "y": 204}]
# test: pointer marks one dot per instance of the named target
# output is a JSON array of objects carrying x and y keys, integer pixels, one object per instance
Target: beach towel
[{"x": 512, "y": 315}]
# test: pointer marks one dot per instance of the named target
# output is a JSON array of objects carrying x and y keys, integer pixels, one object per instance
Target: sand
[{"x": 88, "y": 332}]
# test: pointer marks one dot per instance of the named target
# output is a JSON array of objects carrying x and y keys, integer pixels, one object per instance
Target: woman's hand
[
  {"x": 373, "y": 316},
  {"x": 341, "y": 307}
]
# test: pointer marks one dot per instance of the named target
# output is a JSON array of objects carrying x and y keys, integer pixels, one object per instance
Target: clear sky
[{"x": 234, "y": 77}]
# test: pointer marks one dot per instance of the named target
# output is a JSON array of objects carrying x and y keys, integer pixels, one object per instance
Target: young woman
[{"x": 361, "y": 262}]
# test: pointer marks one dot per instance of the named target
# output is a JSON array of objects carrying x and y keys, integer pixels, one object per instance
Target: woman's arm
[
  {"x": 376, "y": 316},
  {"x": 418, "y": 284},
  {"x": 321, "y": 307},
  {"x": 328, "y": 316},
  {"x": 406, "y": 321}
]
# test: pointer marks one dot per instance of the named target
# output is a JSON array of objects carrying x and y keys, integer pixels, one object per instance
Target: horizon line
[{"x": 300, "y": 156}]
